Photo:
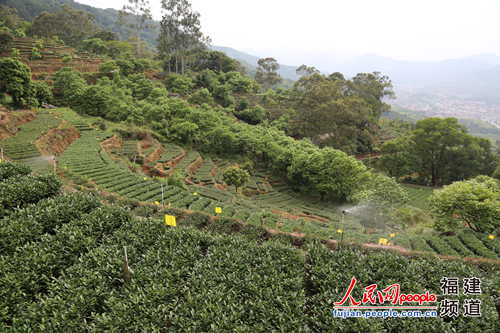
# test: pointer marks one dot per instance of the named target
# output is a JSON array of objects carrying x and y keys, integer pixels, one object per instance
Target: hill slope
[{"x": 105, "y": 18}]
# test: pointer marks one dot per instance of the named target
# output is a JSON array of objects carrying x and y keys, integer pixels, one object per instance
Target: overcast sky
[{"x": 317, "y": 31}]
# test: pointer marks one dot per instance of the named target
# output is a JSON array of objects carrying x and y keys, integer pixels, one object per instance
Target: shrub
[
  {"x": 176, "y": 179},
  {"x": 11, "y": 169},
  {"x": 475, "y": 202},
  {"x": 201, "y": 96},
  {"x": 67, "y": 58},
  {"x": 253, "y": 116},
  {"x": 6, "y": 39},
  {"x": 41, "y": 91},
  {"x": 35, "y": 54},
  {"x": 69, "y": 86},
  {"x": 109, "y": 68},
  {"x": 179, "y": 84},
  {"x": 234, "y": 176},
  {"x": 15, "y": 79},
  {"x": 30, "y": 223},
  {"x": 20, "y": 191}
]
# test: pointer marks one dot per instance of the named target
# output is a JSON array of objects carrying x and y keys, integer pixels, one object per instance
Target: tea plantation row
[{"x": 66, "y": 276}]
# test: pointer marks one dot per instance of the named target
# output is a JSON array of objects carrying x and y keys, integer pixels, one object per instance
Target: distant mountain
[{"x": 250, "y": 62}]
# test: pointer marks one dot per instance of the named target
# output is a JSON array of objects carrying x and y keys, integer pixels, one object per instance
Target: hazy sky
[{"x": 317, "y": 31}]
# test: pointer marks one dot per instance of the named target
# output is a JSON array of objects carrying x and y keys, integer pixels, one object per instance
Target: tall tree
[
  {"x": 180, "y": 34},
  {"x": 15, "y": 80},
  {"x": 135, "y": 15},
  {"x": 305, "y": 70},
  {"x": 440, "y": 151},
  {"x": 267, "y": 72},
  {"x": 71, "y": 25},
  {"x": 337, "y": 112}
]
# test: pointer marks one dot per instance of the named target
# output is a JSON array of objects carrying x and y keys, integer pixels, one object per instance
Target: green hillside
[
  {"x": 186, "y": 280},
  {"x": 169, "y": 190}
]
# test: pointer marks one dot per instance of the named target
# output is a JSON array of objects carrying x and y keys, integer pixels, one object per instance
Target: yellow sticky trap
[
  {"x": 157, "y": 203},
  {"x": 340, "y": 231},
  {"x": 218, "y": 210},
  {"x": 383, "y": 241},
  {"x": 492, "y": 237},
  {"x": 194, "y": 193},
  {"x": 170, "y": 221},
  {"x": 392, "y": 235}
]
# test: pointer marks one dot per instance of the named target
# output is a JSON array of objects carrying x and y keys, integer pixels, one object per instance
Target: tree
[
  {"x": 180, "y": 34},
  {"x": 446, "y": 153},
  {"x": 6, "y": 39},
  {"x": 136, "y": 15},
  {"x": 304, "y": 70},
  {"x": 215, "y": 61},
  {"x": 94, "y": 45},
  {"x": 235, "y": 176},
  {"x": 397, "y": 157},
  {"x": 41, "y": 92},
  {"x": 440, "y": 151},
  {"x": 71, "y": 25},
  {"x": 380, "y": 195},
  {"x": 330, "y": 173},
  {"x": 267, "y": 72},
  {"x": 68, "y": 87},
  {"x": 15, "y": 80},
  {"x": 475, "y": 202}
]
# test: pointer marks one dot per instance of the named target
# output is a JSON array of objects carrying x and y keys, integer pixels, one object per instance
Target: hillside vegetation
[
  {"x": 168, "y": 190},
  {"x": 187, "y": 280}
]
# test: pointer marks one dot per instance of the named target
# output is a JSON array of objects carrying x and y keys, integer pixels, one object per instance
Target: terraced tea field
[
  {"x": 419, "y": 195},
  {"x": 62, "y": 259},
  {"x": 269, "y": 203},
  {"x": 21, "y": 147}
]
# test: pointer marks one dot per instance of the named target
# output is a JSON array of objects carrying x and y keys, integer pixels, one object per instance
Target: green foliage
[
  {"x": 179, "y": 84},
  {"x": 397, "y": 158},
  {"x": 119, "y": 49},
  {"x": 69, "y": 87},
  {"x": 15, "y": 53},
  {"x": 496, "y": 173},
  {"x": 109, "y": 68},
  {"x": 410, "y": 216},
  {"x": 381, "y": 190},
  {"x": 215, "y": 61},
  {"x": 94, "y": 45},
  {"x": 33, "y": 266},
  {"x": 72, "y": 26},
  {"x": 140, "y": 86},
  {"x": 475, "y": 202},
  {"x": 201, "y": 96},
  {"x": 35, "y": 54},
  {"x": 254, "y": 115},
  {"x": 176, "y": 179},
  {"x": 446, "y": 153},
  {"x": 105, "y": 99},
  {"x": 235, "y": 176},
  {"x": 6, "y": 39},
  {"x": 15, "y": 80},
  {"x": 267, "y": 72},
  {"x": 12, "y": 169},
  {"x": 184, "y": 131},
  {"x": 22, "y": 190},
  {"x": 313, "y": 168},
  {"x": 41, "y": 92},
  {"x": 67, "y": 58},
  {"x": 32, "y": 222}
]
